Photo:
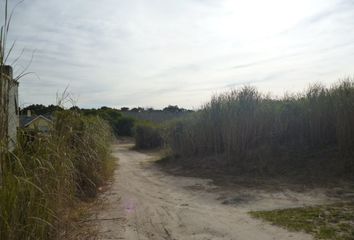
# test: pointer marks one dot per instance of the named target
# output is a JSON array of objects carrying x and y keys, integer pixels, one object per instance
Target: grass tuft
[{"x": 334, "y": 221}]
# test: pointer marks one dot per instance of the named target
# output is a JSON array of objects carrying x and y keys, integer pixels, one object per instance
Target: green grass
[{"x": 334, "y": 221}]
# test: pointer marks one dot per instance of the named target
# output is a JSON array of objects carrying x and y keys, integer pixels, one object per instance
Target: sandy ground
[{"x": 147, "y": 203}]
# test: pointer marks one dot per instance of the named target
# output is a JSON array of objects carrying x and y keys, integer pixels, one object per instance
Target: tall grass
[
  {"x": 46, "y": 174},
  {"x": 254, "y": 133}
]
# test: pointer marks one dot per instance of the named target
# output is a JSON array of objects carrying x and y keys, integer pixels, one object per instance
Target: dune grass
[
  {"x": 335, "y": 222},
  {"x": 307, "y": 133},
  {"x": 48, "y": 174}
]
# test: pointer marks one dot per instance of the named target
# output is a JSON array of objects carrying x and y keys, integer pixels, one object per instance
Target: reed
[
  {"x": 47, "y": 174},
  {"x": 253, "y": 133}
]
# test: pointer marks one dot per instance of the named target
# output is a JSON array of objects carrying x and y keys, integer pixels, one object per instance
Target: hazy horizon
[{"x": 156, "y": 53}]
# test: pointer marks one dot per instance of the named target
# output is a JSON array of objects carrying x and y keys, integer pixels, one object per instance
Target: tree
[
  {"x": 124, "y": 126},
  {"x": 40, "y": 109},
  {"x": 173, "y": 109},
  {"x": 138, "y": 109},
  {"x": 75, "y": 108}
]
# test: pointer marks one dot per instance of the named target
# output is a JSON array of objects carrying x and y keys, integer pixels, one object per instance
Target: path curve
[{"x": 146, "y": 203}]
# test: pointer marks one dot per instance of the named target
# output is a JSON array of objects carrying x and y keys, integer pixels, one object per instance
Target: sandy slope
[{"x": 146, "y": 203}]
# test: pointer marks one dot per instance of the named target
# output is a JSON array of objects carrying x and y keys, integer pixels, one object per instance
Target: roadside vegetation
[
  {"x": 335, "y": 222},
  {"x": 309, "y": 134},
  {"x": 47, "y": 175}
]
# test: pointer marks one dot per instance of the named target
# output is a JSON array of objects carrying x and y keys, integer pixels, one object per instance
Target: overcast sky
[{"x": 152, "y": 53}]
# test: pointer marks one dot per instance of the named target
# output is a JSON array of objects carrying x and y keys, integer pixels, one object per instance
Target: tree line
[{"x": 122, "y": 121}]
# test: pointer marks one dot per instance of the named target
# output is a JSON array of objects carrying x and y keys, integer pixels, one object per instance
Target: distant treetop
[
  {"x": 40, "y": 109},
  {"x": 174, "y": 108},
  {"x": 124, "y": 109}
]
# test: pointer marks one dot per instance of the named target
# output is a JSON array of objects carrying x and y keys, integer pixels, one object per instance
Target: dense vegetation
[
  {"x": 40, "y": 109},
  {"x": 121, "y": 124},
  {"x": 148, "y": 135},
  {"x": 311, "y": 132},
  {"x": 157, "y": 116},
  {"x": 122, "y": 121},
  {"x": 48, "y": 173}
]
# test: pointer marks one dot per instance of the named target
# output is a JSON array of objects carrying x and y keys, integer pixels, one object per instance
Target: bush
[
  {"x": 124, "y": 126},
  {"x": 147, "y": 136}
]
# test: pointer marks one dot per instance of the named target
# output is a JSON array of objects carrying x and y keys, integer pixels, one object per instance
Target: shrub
[
  {"x": 124, "y": 126},
  {"x": 147, "y": 136}
]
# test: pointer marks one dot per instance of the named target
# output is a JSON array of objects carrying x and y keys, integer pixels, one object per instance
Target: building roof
[{"x": 27, "y": 120}]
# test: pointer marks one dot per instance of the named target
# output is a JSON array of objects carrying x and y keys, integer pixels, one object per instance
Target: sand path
[{"x": 147, "y": 203}]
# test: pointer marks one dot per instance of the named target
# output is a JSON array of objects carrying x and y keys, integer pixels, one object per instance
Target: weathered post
[
  {"x": 13, "y": 111},
  {"x": 6, "y": 83}
]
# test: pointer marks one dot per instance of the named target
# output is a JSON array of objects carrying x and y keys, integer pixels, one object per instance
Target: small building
[{"x": 41, "y": 123}]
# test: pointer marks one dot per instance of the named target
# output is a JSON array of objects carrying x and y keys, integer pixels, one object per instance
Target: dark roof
[
  {"x": 48, "y": 116},
  {"x": 25, "y": 120}
]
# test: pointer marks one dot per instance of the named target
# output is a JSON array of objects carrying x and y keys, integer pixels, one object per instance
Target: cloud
[{"x": 155, "y": 53}]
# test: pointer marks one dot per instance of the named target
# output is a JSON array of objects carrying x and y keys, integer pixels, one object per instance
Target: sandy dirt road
[{"x": 147, "y": 203}]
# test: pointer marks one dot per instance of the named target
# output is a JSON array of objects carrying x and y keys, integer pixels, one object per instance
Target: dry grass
[
  {"x": 49, "y": 174},
  {"x": 308, "y": 133}
]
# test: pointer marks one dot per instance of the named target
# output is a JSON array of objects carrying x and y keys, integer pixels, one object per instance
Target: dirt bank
[{"x": 147, "y": 203}]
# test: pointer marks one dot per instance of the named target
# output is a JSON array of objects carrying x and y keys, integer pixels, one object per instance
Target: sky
[{"x": 153, "y": 53}]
